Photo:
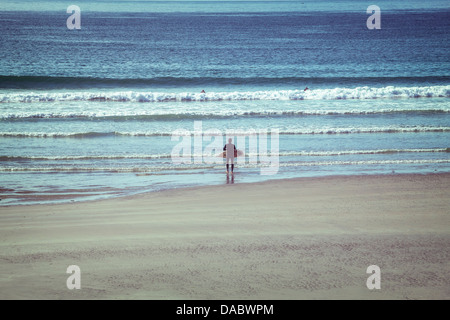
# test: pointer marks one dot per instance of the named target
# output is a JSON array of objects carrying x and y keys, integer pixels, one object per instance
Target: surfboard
[{"x": 237, "y": 153}]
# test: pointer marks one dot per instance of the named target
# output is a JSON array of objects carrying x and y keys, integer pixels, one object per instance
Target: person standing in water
[{"x": 230, "y": 150}]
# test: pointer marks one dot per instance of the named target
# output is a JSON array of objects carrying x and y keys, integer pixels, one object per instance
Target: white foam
[
  {"x": 357, "y": 152},
  {"x": 167, "y": 156},
  {"x": 314, "y": 94},
  {"x": 294, "y": 131},
  {"x": 157, "y": 169}
]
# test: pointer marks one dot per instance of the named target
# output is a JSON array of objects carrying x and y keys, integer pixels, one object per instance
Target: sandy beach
[{"x": 308, "y": 238}]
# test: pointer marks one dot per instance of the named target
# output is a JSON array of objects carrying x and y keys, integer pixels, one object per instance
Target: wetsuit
[{"x": 230, "y": 155}]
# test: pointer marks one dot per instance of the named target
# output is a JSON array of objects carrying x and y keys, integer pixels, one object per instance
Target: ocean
[{"x": 143, "y": 97}]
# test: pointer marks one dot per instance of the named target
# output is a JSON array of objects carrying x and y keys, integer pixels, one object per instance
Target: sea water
[{"x": 96, "y": 112}]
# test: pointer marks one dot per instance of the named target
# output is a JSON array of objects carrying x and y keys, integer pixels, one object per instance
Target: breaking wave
[{"x": 389, "y": 92}]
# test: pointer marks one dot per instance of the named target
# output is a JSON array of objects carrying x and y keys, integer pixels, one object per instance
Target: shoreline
[
  {"x": 301, "y": 238},
  {"x": 65, "y": 198}
]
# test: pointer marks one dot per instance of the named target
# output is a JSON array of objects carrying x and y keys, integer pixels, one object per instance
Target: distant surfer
[
  {"x": 203, "y": 91},
  {"x": 306, "y": 89},
  {"x": 230, "y": 150}
]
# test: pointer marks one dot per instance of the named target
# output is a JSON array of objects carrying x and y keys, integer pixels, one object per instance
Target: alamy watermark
[
  {"x": 374, "y": 280},
  {"x": 74, "y": 280},
  {"x": 256, "y": 147},
  {"x": 374, "y": 21},
  {"x": 74, "y": 21}
]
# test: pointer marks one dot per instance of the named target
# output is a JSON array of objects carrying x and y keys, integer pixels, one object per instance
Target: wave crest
[
  {"x": 314, "y": 94},
  {"x": 80, "y": 135}
]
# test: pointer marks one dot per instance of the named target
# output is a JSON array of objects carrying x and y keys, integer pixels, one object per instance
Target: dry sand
[{"x": 310, "y": 238}]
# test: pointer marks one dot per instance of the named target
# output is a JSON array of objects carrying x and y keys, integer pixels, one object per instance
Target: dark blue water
[{"x": 198, "y": 49}]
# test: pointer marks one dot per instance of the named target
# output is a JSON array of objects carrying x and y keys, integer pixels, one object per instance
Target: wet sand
[{"x": 308, "y": 238}]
